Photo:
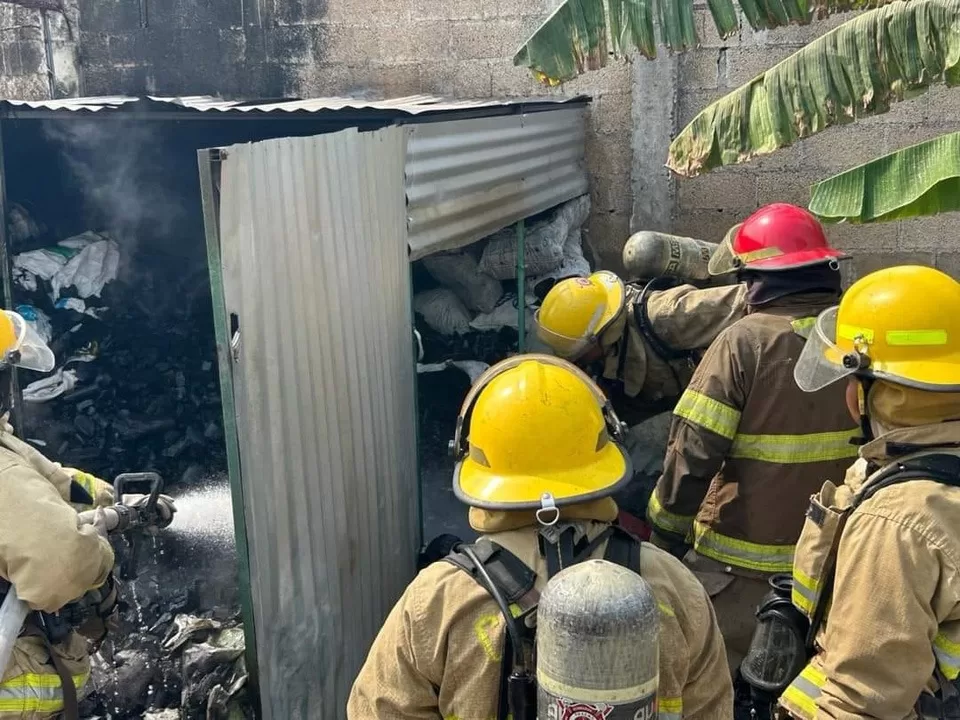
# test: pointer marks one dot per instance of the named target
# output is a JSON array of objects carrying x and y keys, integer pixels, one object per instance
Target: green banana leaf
[
  {"x": 581, "y": 35},
  {"x": 858, "y": 69},
  {"x": 919, "y": 180}
]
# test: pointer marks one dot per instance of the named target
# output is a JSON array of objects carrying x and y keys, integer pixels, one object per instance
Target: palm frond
[
  {"x": 919, "y": 180},
  {"x": 858, "y": 69}
]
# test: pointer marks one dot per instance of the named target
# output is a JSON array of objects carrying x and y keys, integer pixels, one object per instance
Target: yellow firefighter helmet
[
  {"x": 901, "y": 324},
  {"x": 576, "y": 311},
  {"x": 536, "y": 432},
  {"x": 20, "y": 345}
]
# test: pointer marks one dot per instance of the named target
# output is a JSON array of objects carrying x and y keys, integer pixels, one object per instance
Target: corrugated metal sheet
[
  {"x": 407, "y": 106},
  {"x": 315, "y": 269},
  {"x": 469, "y": 178}
]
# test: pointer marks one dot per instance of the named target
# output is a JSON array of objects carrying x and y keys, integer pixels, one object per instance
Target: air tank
[
  {"x": 597, "y": 645},
  {"x": 648, "y": 254}
]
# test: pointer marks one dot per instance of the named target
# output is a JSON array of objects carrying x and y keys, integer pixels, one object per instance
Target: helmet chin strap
[{"x": 863, "y": 394}]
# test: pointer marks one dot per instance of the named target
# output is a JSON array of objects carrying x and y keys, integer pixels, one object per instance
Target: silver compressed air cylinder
[
  {"x": 597, "y": 645},
  {"x": 648, "y": 254}
]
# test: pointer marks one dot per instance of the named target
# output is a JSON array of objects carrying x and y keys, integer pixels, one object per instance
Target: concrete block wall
[
  {"x": 464, "y": 49},
  {"x": 706, "y": 206},
  {"x": 23, "y": 65}
]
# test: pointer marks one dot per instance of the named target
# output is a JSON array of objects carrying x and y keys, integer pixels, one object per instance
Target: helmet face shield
[
  {"x": 30, "y": 351},
  {"x": 564, "y": 346},
  {"x": 822, "y": 362},
  {"x": 724, "y": 261}
]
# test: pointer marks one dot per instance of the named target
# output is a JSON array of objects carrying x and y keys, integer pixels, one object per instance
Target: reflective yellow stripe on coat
[
  {"x": 665, "y": 520},
  {"x": 805, "y": 592},
  {"x": 708, "y": 413},
  {"x": 733, "y": 551},
  {"x": 35, "y": 693},
  {"x": 800, "y": 698},
  {"x": 789, "y": 449},
  {"x": 669, "y": 708}
]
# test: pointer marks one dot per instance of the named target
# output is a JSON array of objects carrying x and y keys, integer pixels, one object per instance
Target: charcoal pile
[
  {"x": 136, "y": 387},
  {"x": 466, "y": 307}
]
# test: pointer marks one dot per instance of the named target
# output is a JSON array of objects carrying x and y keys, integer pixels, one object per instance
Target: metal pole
[
  {"x": 15, "y": 401},
  {"x": 521, "y": 288}
]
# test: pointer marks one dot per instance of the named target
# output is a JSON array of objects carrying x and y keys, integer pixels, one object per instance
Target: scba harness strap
[
  {"x": 515, "y": 583},
  {"x": 944, "y": 469}
]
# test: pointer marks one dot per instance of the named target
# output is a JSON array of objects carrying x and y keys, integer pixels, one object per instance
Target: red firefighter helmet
[{"x": 776, "y": 237}]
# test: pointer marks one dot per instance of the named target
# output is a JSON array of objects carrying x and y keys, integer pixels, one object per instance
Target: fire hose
[{"x": 129, "y": 521}]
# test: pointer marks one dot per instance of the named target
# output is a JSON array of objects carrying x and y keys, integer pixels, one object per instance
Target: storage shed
[{"x": 301, "y": 382}]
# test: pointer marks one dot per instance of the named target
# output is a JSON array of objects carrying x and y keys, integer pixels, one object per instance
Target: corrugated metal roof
[
  {"x": 469, "y": 178},
  {"x": 410, "y": 106},
  {"x": 324, "y": 383}
]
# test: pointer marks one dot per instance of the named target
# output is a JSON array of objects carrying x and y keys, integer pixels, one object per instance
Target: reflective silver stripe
[
  {"x": 34, "y": 693},
  {"x": 753, "y": 556},
  {"x": 947, "y": 653}
]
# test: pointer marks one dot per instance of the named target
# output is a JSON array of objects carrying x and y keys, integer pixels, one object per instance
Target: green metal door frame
[{"x": 209, "y": 162}]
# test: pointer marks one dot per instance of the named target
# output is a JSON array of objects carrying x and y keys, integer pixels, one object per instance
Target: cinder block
[
  {"x": 870, "y": 238},
  {"x": 901, "y": 136},
  {"x": 608, "y": 159},
  {"x": 96, "y": 47},
  {"x": 865, "y": 263},
  {"x": 394, "y": 80},
  {"x": 511, "y": 81},
  {"x": 437, "y": 78},
  {"x": 746, "y": 63},
  {"x": 710, "y": 225},
  {"x": 607, "y": 233},
  {"x": 447, "y": 10},
  {"x": 718, "y": 190},
  {"x": 936, "y": 233},
  {"x": 613, "y": 195},
  {"x": 32, "y": 57},
  {"x": 692, "y": 102},
  {"x": 479, "y": 39},
  {"x": 614, "y": 77},
  {"x": 791, "y": 187},
  {"x": 293, "y": 45},
  {"x": 949, "y": 262},
  {"x": 840, "y": 148},
  {"x": 229, "y": 13},
  {"x": 615, "y": 114},
  {"x": 319, "y": 80},
  {"x": 414, "y": 42},
  {"x": 700, "y": 69},
  {"x": 473, "y": 79},
  {"x": 518, "y": 8}
]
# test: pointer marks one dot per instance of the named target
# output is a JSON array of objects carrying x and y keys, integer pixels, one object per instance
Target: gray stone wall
[
  {"x": 464, "y": 49},
  {"x": 707, "y": 206}
]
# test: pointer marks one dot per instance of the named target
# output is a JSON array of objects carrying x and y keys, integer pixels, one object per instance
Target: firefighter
[
  {"x": 877, "y": 568},
  {"x": 747, "y": 447},
  {"x": 642, "y": 340},
  {"x": 539, "y": 453},
  {"x": 61, "y": 569}
]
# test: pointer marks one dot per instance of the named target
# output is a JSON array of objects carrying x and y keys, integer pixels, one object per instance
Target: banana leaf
[
  {"x": 581, "y": 35},
  {"x": 919, "y": 180},
  {"x": 858, "y": 69}
]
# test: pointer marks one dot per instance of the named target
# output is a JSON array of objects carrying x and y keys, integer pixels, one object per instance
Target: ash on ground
[{"x": 178, "y": 653}]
